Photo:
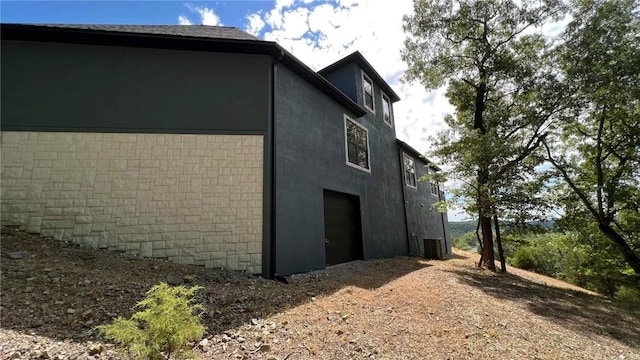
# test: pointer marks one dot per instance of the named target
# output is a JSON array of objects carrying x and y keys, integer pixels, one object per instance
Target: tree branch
[
  {"x": 599, "y": 175},
  {"x": 470, "y": 83},
  {"x": 570, "y": 182}
]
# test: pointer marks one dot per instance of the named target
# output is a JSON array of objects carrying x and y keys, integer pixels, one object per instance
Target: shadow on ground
[
  {"x": 61, "y": 291},
  {"x": 577, "y": 311}
]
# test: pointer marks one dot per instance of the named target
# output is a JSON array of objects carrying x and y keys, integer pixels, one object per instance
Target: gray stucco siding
[
  {"x": 55, "y": 86},
  {"x": 344, "y": 79},
  {"x": 423, "y": 220},
  {"x": 310, "y": 157}
]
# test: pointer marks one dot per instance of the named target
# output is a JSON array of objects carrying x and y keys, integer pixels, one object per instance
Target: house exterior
[{"x": 207, "y": 146}]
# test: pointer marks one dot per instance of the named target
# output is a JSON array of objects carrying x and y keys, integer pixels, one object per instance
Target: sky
[{"x": 316, "y": 32}]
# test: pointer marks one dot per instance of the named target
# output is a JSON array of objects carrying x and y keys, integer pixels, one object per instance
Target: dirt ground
[{"x": 54, "y": 294}]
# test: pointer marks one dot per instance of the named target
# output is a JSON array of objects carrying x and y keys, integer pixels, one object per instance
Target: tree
[
  {"x": 497, "y": 76},
  {"x": 596, "y": 150}
]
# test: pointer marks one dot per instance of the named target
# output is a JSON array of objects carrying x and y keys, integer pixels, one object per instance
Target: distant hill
[{"x": 459, "y": 228}]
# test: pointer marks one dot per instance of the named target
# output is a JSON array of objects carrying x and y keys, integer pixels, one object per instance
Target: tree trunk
[
  {"x": 488, "y": 256},
  {"x": 484, "y": 216},
  {"x": 503, "y": 263},
  {"x": 479, "y": 243},
  {"x": 623, "y": 246},
  {"x": 478, "y": 124}
]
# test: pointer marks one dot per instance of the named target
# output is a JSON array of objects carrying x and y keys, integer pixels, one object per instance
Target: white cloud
[
  {"x": 183, "y": 20},
  {"x": 256, "y": 24},
  {"x": 207, "y": 16}
]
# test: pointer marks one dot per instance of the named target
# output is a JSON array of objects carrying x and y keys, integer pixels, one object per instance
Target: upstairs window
[
  {"x": 367, "y": 92},
  {"x": 433, "y": 185},
  {"x": 356, "y": 145},
  {"x": 409, "y": 171},
  {"x": 386, "y": 110}
]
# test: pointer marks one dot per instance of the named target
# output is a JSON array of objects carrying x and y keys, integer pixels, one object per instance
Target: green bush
[
  {"x": 629, "y": 295},
  {"x": 465, "y": 241},
  {"x": 163, "y": 328},
  {"x": 525, "y": 258}
]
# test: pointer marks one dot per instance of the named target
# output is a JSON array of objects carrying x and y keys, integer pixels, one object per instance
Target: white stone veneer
[{"x": 195, "y": 199}]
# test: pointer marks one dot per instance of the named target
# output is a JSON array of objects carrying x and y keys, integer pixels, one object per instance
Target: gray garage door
[{"x": 342, "y": 230}]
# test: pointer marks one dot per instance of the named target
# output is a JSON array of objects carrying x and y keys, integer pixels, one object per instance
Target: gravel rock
[
  {"x": 174, "y": 280},
  {"x": 96, "y": 349},
  {"x": 17, "y": 255}
]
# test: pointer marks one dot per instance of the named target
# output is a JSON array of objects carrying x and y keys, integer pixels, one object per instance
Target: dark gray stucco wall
[
  {"x": 423, "y": 220},
  {"x": 310, "y": 157},
  {"x": 344, "y": 79},
  {"x": 54, "y": 86}
]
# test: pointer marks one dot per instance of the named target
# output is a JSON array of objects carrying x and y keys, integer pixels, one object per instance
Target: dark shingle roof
[{"x": 200, "y": 31}]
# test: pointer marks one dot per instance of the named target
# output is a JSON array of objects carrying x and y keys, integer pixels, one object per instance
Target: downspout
[
  {"x": 404, "y": 198},
  {"x": 269, "y": 248}
]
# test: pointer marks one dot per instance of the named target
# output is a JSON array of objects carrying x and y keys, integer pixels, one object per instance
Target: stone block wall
[{"x": 195, "y": 199}]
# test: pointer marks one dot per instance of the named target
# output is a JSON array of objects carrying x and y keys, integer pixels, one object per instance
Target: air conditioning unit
[{"x": 433, "y": 249}]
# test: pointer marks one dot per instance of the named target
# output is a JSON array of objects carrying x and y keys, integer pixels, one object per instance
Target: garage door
[{"x": 342, "y": 231}]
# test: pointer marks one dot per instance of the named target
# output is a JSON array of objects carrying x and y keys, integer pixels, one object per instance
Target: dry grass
[{"x": 402, "y": 308}]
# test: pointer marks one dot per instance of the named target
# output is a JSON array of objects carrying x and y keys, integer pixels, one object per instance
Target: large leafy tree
[
  {"x": 597, "y": 148},
  {"x": 499, "y": 78}
]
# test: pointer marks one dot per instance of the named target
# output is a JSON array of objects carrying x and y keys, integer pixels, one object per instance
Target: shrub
[
  {"x": 525, "y": 258},
  {"x": 163, "y": 328},
  {"x": 629, "y": 295}
]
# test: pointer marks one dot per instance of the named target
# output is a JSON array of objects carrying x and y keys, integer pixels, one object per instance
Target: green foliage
[
  {"x": 525, "y": 258},
  {"x": 594, "y": 145},
  {"x": 583, "y": 259},
  {"x": 166, "y": 324},
  {"x": 467, "y": 241},
  {"x": 629, "y": 295},
  {"x": 460, "y": 228}
]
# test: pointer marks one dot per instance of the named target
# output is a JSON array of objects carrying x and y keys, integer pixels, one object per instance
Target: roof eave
[{"x": 404, "y": 146}]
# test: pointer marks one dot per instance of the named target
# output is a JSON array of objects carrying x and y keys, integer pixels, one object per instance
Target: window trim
[
  {"x": 388, "y": 99},
  {"x": 364, "y": 93},
  {"x": 346, "y": 145},
  {"x": 404, "y": 172}
]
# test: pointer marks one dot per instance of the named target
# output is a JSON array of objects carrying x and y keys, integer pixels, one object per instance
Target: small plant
[{"x": 163, "y": 328}]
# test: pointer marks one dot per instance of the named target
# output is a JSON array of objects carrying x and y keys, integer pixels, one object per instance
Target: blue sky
[
  {"x": 232, "y": 13},
  {"x": 318, "y": 32}
]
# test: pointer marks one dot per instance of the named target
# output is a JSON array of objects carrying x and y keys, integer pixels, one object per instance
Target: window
[
  {"x": 386, "y": 110},
  {"x": 356, "y": 145},
  {"x": 434, "y": 188},
  {"x": 433, "y": 184},
  {"x": 409, "y": 171},
  {"x": 367, "y": 92}
]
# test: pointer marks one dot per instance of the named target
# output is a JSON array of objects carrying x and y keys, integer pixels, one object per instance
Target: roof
[
  {"x": 203, "y": 31},
  {"x": 180, "y": 37},
  {"x": 408, "y": 148},
  {"x": 357, "y": 58}
]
